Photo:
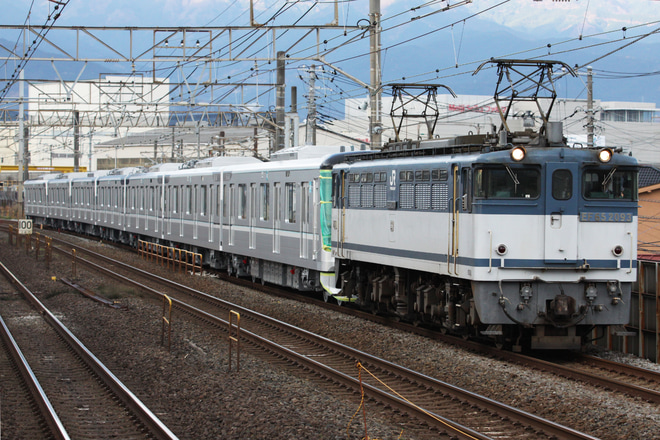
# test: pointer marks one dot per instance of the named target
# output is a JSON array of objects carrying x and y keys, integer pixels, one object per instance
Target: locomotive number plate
[{"x": 624, "y": 217}]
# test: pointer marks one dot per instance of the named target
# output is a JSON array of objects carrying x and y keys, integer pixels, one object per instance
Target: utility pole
[
  {"x": 292, "y": 121},
  {"x": 310, "y": 130},
  {"x": 590, "y": 109},
  {"x": 21, "y": 143},
  {"x": 280, "y": 101},
  {"x": 375, "y": 122},
  {"x": 76, "y": 141}
]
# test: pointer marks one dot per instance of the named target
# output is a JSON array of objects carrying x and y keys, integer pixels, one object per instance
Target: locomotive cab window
[
  {"x": 507, "y": 183},
  {"x": 609, "y": 183},
  {"x": 562, "y": 185}
]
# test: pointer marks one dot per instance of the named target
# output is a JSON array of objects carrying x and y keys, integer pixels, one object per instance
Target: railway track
[
  {"x": 447, "y": 410},
  {"x": 85, "y": 399},
  {"x": 26, "y": 411}
]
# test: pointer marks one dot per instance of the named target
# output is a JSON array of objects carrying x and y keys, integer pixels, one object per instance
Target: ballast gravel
[{"x": 192, "y": 390}]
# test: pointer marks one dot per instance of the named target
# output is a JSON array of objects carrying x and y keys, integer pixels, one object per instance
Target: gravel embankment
[{"x": 192, "y": 392}]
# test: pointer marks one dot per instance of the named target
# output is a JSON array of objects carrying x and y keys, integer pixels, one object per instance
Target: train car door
[
  {"x": 253, "y": 214},
  {"x": 230, "y": 215},
  {"x": 277, "y": 216},
  {"x": 219, "y": 209},
  {"x": 305, "y": 196},
  {"x": 561, "y": 212},
  {"x": 454, "y": 229},
  {"x": 160, "y": 219},
  {"x": 195, "y": 210}
]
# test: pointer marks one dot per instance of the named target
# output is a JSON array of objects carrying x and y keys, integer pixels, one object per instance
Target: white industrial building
[{"x": 128, "y": 121}]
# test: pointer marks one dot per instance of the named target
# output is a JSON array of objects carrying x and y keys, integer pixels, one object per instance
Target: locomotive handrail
[
  {"x": 490, "y": 252},
  {"x": 631, "y": 252}
]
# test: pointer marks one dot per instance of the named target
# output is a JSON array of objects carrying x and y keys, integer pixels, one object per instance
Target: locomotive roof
[{"x": 535, "y": 156}]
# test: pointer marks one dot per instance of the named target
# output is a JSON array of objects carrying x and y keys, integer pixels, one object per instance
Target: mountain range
[{"x": 628, "y": 74}]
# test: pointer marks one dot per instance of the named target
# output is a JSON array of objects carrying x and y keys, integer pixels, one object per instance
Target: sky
[
  {"x": 519, "y": 15},
  {"x": 443, "y": 32}
]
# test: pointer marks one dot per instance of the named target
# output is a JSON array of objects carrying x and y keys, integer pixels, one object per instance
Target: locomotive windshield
[
  {"x": 609, "y": 183},
  {"x": 507, "y": 183}
]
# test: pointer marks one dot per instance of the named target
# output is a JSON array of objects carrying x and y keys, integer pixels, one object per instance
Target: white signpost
[{"x": 25, "y": 226}]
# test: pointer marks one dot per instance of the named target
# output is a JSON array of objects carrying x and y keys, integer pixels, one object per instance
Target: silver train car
[
  {"x": 251, "y": 218},
  {"x": 530, "y": 246}
]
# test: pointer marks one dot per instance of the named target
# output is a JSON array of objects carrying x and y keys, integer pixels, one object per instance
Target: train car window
[
  {"x": 277, "y": 197},
  {"x": 153, "y": 199},
  {"x": 175, "y": 199},
  {"x": 366, "y": 177},
  {"x": 406, "y": 176},
  {"x": 562, "y": 184},
  {"x": 203, "y": 199},
  {"x": 609, "y": 183},
  {"x": 225, "y": 201},
  {"x": 439, "y": 175},
  {"x": 466, "y": 196},
  {"x": 242, "y": 201},
  {"x": 507, "y": 183},
  {"x": 337, "y": 193},
  {"x": 380, "y": 176},
  {"x": 189, "y": 196},
  {"x": 422, "y": 175},
  {"x": 304, "y": 202},
  {"x": 290, "y": 202},
  {"x": 265, "y": 202}
]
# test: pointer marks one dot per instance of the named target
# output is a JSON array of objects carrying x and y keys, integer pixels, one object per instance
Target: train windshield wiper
[
  {"x": 608, "y": 178},
  {"x": 514, "y": 177}
]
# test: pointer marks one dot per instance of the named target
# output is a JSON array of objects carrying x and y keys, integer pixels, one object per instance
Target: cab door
[{"x": 561, "y": 213}]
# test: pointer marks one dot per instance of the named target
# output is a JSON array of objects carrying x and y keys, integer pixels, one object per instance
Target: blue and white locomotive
[
  {"x": 534, "y": 245},
  {"x": 512, "y": 236}
]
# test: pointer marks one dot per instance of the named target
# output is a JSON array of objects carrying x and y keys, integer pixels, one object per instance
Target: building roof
[{"x": 648, "y": 176}]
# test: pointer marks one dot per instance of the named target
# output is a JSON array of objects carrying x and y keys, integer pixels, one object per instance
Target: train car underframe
[{"x": 449, "y": 304}]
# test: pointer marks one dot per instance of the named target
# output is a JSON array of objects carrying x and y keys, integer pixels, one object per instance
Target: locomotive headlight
[
  {"x": 518, "y": 154},
  {"x": 501, "y": 249},
  {"x": 617, "y": 250},
  {"x": 605, "y": 155}
]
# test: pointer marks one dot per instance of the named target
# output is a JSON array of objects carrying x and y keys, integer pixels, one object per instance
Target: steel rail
[
  {"x": 536, "y": 422},
  {"x": 155, "y": 426},
  {"x": 57, "y": 429},
  {"x": 631, "y": 370}
]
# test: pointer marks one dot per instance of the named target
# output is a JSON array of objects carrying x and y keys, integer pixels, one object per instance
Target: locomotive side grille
[
  {"x": 423, "y": 196},
  {"x": 439, "y": 196},
  {"x": 354, "y": 196},
  {"x": 407, "y": 196},
  {"x": 380, "y": 196},
  {"x": 367, "y": 196}
]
